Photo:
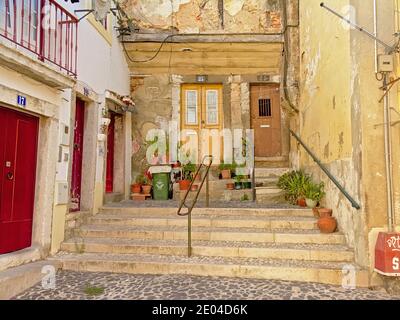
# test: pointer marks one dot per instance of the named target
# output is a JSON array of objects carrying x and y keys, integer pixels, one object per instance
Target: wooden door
[
  {"x": 18, "y": 153},
  {"x": 110, "y": 155},
  {"x": 202, "y": 111},
  {"x": 76, "y": 180},
  {"x": 266, "y": 120}
]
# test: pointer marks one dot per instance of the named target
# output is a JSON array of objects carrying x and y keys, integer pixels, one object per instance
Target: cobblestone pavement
[{"x": 73, "y": 285}]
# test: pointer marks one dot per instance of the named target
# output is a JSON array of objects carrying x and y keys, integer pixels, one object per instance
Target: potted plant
[
  {"x": 230, "y": 186},
  {"x": 225, "y": 169},
  {"x": 238, "y": 182},
  {"x": 137, "y": 186},
  {"x": 187, "y": 175},
  {"x": 292, "y": 183},
  {"x": 313, "y": 193},
  {"x": 147, "y": 184},
  {"x": 247, "y": 185}
]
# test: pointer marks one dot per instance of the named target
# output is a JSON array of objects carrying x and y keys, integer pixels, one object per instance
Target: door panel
[
  {"x": 110, "y": 155},
  {"x": 76, "y": 180},
  {"x": 202, "y": 110},
  {"x": 266, "y": 120},
  {"x": 18, "y": 152}
]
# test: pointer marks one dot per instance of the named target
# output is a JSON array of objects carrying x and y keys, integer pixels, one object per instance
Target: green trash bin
[{"x": 161, "y": 182}]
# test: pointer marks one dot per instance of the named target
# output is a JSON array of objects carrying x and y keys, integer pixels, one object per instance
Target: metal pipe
[
  {"x": 376, "y": 35},
  {"x": 324, "y": 169},
  {"x": 388, "y": 157}
]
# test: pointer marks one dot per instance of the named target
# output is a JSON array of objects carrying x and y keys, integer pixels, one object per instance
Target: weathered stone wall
[
  {"x": 194, "y": 16},
  {"x": 341, "y": 118}
]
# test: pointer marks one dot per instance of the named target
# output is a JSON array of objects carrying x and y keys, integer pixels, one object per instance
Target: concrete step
[
  {"x": 217, "y": 195},
  {"x": 15, "y": 280},
  {"x": 113, "y": 197},
  {"x": 267, "y": 182},
  {"x": 217, "y": 221},
  {"x": 213, "y": 234},
  {"x": 270, "y": 172},
  {"x": 316, "y": 252},
  {"x": 291, "y": 270},
  {"x": 270, "y": 195},
  {"x": 157, "y": 211}
]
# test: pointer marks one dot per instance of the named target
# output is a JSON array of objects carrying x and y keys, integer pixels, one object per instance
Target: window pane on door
[
  {"x": 264, "y": 108},
  {"x": 212, "y": 106},
  {"x": 191, "y": 107}
]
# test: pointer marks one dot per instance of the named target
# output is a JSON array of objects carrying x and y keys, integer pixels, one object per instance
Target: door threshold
[{"x": 272, "y": 159}]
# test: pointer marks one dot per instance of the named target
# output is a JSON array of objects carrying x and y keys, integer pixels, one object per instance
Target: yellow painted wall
[
  {"x": 58, "y": 227},
  {"x": 325, "y": 83}
]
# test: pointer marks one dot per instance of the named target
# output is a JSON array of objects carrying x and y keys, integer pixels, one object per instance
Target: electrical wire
[{"x": 149, "y": 59}]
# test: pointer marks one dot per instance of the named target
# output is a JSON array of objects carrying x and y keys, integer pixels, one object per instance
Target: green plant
[
  {"x": 238, "y": 179},
  {"x": 140, "y": 179},
  {"x": 314, "y": 191},
  {"x": 93, "y": 291},
  {"x": 225, "y": 166},
  {"x": 245, "y": 197},
  {"x": 188, "y": 170},
  {"x": 293, "y": 183}
]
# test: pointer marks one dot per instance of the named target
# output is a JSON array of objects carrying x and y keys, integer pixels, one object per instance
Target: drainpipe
[
  {"x": 388, "y": 133},
  {"x": 388, "y": 157},
  {"x": 376, "y": 35}
]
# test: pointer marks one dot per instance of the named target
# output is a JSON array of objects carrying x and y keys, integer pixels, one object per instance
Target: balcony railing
[{"x": 44, "y": 28}]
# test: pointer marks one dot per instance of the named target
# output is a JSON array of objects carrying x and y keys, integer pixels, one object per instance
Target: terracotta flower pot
[
  {"x": 301, "y": 202},
  {"x": 136, "y": 188},
  {"x": 194, "y": 187},
  {"x": 226, "y": 174},
  {"x": 327, "y": 224},
  {"x": 184, "y": 185},
  {"x": 315, "y": 212},
  {"x": 146, "y": 189},
  {"x": 230, "y": 186},
  {"x": 325, "y": 212}
]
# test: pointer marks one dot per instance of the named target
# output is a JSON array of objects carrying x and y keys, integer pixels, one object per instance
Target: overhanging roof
[{"x": 190, "y": 58}]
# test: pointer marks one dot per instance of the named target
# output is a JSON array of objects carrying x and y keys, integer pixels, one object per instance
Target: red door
[
  {"x": 76, "y": 180},
  {"x": 110, "y": 155},
  {"x": 18, "y": 151}
]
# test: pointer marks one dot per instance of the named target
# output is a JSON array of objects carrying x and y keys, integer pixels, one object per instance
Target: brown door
[{"x": 266, "y": 120}]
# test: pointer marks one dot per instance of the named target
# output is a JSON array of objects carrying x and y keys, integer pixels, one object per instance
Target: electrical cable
[{"x": 149, "y": 59}]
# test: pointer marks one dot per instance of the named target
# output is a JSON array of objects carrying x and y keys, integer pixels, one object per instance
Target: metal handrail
[
  {"x": 353, "y": 202},
  {"x": 190, "y": 208}
]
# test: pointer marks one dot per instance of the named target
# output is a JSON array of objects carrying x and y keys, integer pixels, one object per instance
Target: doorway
[
  {"x": 110, "y": 154},
  {"x": 265, "y": 120},
  {"x": 18, "y": 156},
  {"x": 201, "y": 110},
  {"x": 77, "y": 158}
]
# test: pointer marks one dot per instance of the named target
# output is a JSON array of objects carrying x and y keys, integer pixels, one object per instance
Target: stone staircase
[
  {"x": 264, "y": 243},
  {"x": 269, "y": 193}
]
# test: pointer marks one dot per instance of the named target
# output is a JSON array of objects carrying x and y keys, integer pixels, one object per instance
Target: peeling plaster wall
[
  {"x": 341, "y": 118},
  {"x": 194, "y": 16},
  {"x": 327, "y": 124}
]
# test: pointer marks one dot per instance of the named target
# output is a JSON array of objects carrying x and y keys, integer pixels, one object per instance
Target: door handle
[{"x": 10, "y": 176}]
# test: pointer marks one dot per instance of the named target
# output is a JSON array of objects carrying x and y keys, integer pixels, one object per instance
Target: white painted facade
[{"x": 51, "y": 95}]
